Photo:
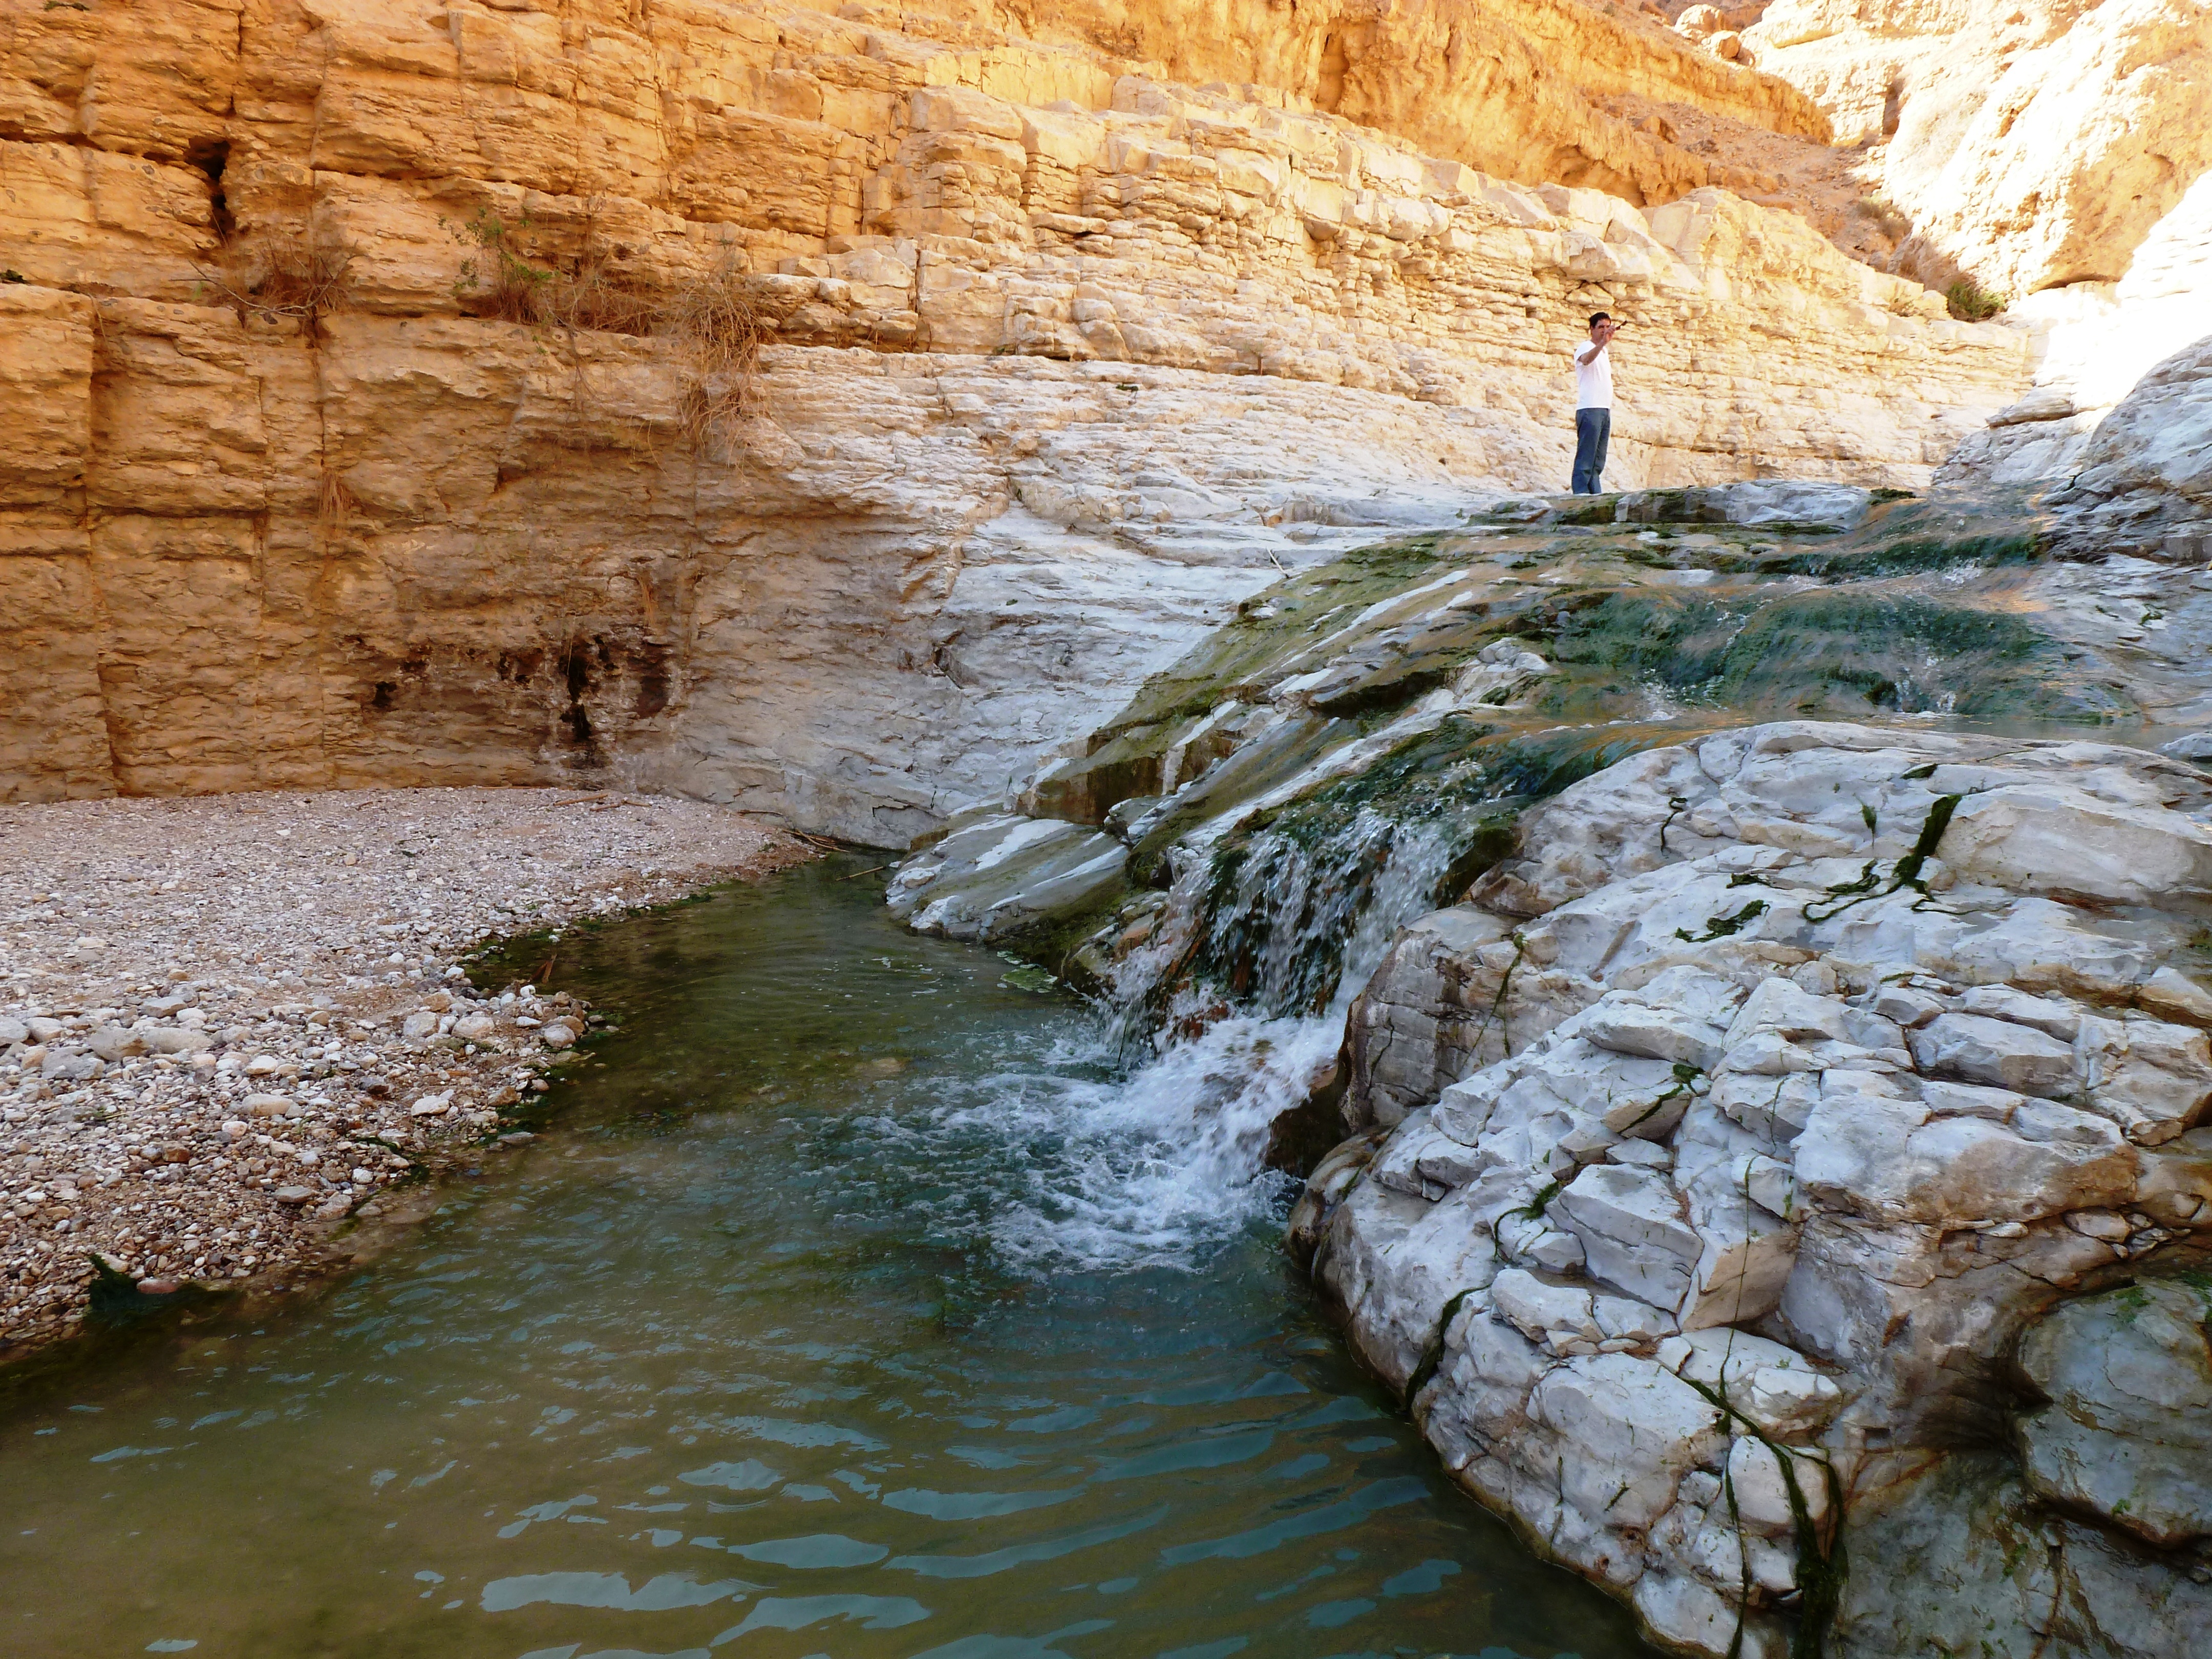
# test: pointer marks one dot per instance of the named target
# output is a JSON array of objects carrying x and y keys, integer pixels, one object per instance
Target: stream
[{"x": 861, "y": 1305}]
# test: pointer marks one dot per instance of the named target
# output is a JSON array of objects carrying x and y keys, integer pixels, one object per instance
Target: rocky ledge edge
[{"x": 1779, "y": 1190}]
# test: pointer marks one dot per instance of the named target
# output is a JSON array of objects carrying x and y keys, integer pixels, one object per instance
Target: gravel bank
[{"x": 229, "y": 1023}]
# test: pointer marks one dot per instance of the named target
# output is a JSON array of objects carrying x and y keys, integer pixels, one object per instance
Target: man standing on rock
[{"x": 1593, "y": 405}]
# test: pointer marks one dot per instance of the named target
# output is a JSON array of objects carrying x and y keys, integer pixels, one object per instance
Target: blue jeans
[{"x": 1593, "y": 430}]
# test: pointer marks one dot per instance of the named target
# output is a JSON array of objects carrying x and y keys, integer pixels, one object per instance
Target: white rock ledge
[{"x": 1746, "y": 1118}]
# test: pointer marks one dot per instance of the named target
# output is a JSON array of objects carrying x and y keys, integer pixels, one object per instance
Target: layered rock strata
[
  {"x": 370, "y": 436},
  {"x": 2057, "y": 160},
  {"x": 1808, "y": 1067},
  {"x": 2096, "y": 346},
  {"x": 2031, "y": 148}
]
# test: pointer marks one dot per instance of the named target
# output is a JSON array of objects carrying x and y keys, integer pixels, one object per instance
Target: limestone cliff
[
  {"x": 369, "y": 429},
  {"x": 2031, "y": 146}
]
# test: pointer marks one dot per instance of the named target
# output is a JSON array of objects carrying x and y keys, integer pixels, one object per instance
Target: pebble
[{"x": 212, "y": 1010}]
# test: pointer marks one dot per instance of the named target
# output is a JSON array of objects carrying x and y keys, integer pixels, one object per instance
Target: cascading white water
[{"x": 1152, "y": 1166}]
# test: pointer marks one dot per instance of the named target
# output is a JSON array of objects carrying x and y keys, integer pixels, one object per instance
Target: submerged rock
[{"x": 1006, "y": 877}]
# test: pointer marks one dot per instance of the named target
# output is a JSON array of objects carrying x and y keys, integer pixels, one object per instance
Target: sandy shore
[{"x": 231, "y": 1025}]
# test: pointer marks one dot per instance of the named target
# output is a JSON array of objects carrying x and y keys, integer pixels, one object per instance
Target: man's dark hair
[{"x": 1597, "y": 317}]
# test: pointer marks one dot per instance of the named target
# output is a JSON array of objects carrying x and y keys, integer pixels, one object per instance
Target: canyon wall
[
  {"x": 365, "y": 427},
  {"x": 2056, "y": 157},
  {"x": 2030, "y": 146}
]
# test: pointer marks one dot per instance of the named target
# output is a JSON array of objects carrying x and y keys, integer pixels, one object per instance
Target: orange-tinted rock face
[
  {"x": 2031, "y": 146},
  {"x": 366, "y": 424}
]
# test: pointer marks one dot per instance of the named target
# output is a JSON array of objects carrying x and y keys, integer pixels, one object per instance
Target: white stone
[
  {"x": 1906, "y": 1006},
  {"x": 2064, "y": 842},
  {"x": 1769, "y": 1053},
  {"x": 1887, "y": 1160},
  {"x": 1780, "y": 1006},
  {"x": 1975, "y": 1048},
  {"x": 2172, "y": 994},
  {"x": 1633, "y": 1231},
  {"x": 1687, "y": 1613},
  {"x": 1632, "y": 1028},
  {"x": 1624, "y": 1318},
  {"x": 1745, "y": 1259},
  {"x": 1559, "y": 1317},
  {"x": 1762, "y": 1496},
  {"x": 2152, "y": 1079},
  {"x": 1773, "y": 1185},
  {"x": 1969, "y": 1100},
  {"x": 1638, "y": 1429},
  {"x": 2052, "y": 1016},
  {"x": 1786, "y": 1402}
]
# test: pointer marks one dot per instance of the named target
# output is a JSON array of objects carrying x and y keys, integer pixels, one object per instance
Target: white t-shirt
[{"x": 1593, "y": 378}]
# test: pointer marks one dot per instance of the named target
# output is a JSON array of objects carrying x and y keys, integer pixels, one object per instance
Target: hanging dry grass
[
  {"x": 715, "y": 323},
  {"x": 335, "y": 509},
  {"x": 711, "y": 322},
  {"x": 281, "y": 274}
]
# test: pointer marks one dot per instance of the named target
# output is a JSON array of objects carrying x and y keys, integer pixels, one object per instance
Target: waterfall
[{"x": 1223, "y": 1022}]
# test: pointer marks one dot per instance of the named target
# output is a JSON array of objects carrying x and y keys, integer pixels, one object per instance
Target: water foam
[{"x": 1162, "y": 1163}]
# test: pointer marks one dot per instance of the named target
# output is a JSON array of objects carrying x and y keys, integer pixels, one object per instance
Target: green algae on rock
[{"x": 1606, "y": 1108}]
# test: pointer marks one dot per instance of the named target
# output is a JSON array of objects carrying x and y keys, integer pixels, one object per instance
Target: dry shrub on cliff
[
  {"x": 715, "y": 324},
  {"x": 284, "y": 273},
  {"x": 1971, "y": 302},
  {"x": 1888, "y": 217},
  {"x": 597, "y": 298},
  {"x": 496, "y": 280},
  {"x": 711, "y": 321}
]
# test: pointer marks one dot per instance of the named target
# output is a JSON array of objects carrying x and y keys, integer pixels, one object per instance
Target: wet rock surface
[
  {"x": 2127, "y": 1437},
  {"x": 1726, "y": 1101},
  {"x": 231, "y": 1025},
  {"x": 1007, "y": 876},
  {"x": 1816, "y": 1101}
]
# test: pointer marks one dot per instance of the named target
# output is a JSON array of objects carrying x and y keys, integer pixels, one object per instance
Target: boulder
[
  {"x": 1633, "y": 1232},
  {"x": 2152, "y": 1079},
  {"x": 1761, "y": 1489},
  {"x": 2128, "y": 1433},
  {"x": 1788, "y": 1070},
  {"x": 1978, "y": 1050},
  {"x": 2065, "y": 842},
  {"x": 1637, "y": 1429}
]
